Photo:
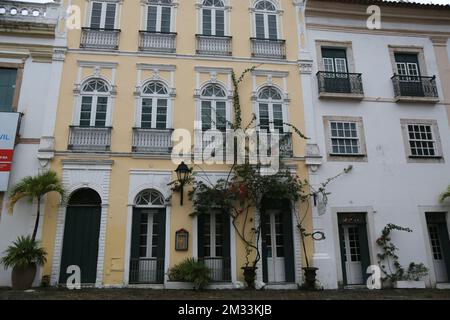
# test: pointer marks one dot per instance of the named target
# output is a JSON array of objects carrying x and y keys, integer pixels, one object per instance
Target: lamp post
[{"x": 182, "y": 174}]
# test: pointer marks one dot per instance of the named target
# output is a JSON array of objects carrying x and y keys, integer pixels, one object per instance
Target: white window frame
[
  {"x": 357, "y": 138},
  {"x": 95, "y": 96},
  {"x": 270, "y": 102},
  {"x": 103, "y": 14},
  {"x": 433, "y": 140},
  {"x": 361, "y": 156},
  {"x": 214, "y": 101},
  {"x": 155, "y": 98},
  {"x": 225, "y": 10},
  {"x": 266, "y": 14},
  {"x": 213, "y": 19},
  {"x": 159, "y": 7},
  {"x": 410, "y": 158}
]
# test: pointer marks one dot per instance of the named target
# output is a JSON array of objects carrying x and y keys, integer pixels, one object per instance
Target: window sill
[
  {"x": 334, "y": 95},
  {"x": 432, "y": 100},
  {"x": 426, "y": 157},
  {"x": 360, "y": 155},
  {"x": 347, "y": 157}
]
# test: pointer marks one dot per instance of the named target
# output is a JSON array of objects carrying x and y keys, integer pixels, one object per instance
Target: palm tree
[
  {"x": 445, "y": 195},
  {"x": 35, "y": 187}
]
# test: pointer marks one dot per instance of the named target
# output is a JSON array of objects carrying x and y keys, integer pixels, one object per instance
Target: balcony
[
  {"x": 268, "y": 48},
  {"x": 89, "y": 138},
  {"x": 340, "y": 85},
  {"x": 30, "y": 19},
  {"x": 157, "y": 42},
  {"x": 219, "y": 268},
  {"x": 155, "y": 141},
  {"x": 206, "y": 138},
  {"x": 214, "y": 45},
  {"x": 146, "y": 271},
  {"x": 415, "y": 89},
  {"x": 100, "y": 38}
]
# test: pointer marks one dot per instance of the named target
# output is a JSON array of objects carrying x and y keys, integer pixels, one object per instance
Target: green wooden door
[
  {"x": 80, "y": 244},
  {"x": 7, "y": 88}
]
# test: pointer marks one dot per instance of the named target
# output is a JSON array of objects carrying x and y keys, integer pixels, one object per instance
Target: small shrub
[{"x": 191, "y": 270}]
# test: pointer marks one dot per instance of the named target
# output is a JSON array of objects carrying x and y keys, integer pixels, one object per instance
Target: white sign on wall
[{"x": 8, "y": 130}]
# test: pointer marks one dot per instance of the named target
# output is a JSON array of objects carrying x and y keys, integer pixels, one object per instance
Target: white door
[
  {"x": 352, "y": 254},
  {"x": 275, "y": 247},
  {"x": 438, "y": 256},
  {"x": 213, "y": 240},
  {"x": 148, "y": 247}
]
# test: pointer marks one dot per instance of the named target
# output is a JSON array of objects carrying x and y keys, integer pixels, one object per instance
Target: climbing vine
[{"x": 388, "y": 259}]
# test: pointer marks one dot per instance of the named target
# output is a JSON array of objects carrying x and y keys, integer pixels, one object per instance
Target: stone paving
[{"x": 147, "y": 294}]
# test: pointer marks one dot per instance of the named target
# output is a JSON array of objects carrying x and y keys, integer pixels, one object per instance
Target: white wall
[
  {"x": 32, "y": 103},
  {"x": 396, "y": 190}
]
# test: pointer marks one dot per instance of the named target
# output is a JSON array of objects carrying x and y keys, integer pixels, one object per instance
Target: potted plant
[
  {"x": 189, "y": 274},
  {"x": 412, "y": 277},
  {"x": 23, "y": 256}
]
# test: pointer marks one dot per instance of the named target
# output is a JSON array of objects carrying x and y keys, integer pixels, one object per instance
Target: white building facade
[
  {"x": 378, "y": 100},
  {"x": 32, "y": 51}
]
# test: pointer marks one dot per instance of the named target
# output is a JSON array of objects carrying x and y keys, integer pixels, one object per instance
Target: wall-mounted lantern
[
  {"x": 183, "y": 172},
  {"x": 182, "y": 240}
]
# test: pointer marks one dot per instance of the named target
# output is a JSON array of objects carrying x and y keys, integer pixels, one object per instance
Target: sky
[{"x": 423, "y": 1}]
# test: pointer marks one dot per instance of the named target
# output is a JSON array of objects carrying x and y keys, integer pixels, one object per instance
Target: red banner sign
[
  {"x": 6, "y": 155},
  {"x": 5, "y": 167}
]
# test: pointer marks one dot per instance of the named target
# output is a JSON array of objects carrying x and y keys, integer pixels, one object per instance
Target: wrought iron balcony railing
[
  {"x": 93, "y": 38},
  {"x": 204, "y": 143},
  {"x": 158, "y": 141},
  {"x": 89, "y": 138},
  {"x": 340, "y": 83},
  {"x": 415, "y": 86},
  {"x": 268, "y": 48},
  {"x": 146, "y": 271},
  {"x": 214, "y": 45},
  {"x": 157, "y": 41},
  {"x": 220, "y": 268}
]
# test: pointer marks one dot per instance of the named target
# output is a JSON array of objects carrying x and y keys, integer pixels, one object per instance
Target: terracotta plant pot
[
  {"x": 250, "y": 276},
  {"x": 310, "y": 278},
  {"x": 22, "y": 278}
]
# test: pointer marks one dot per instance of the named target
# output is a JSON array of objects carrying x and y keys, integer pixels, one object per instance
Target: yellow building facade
[{"x": 133, "y": 73}]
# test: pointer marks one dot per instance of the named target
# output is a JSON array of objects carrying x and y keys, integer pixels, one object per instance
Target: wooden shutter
[
  {"x": 289, "y": 263},
  {"x": 364, "y": 245},
  {"x": 445, "y": 244},
  {"x": 7, "y": 89},
  {"x": 161, "y": 251},
  {"x": 200, "y": 235}
]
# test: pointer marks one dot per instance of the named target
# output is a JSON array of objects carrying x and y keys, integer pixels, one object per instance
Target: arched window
[
  {"x": 270, "y": 105},
  {"x": 159, "y": 15},
  {"x": 154, "y": 105},
  {"x": 149, "y": 198},
  {"x": 266, "y": 20},
  {"x": 214, "y": 107},
  {"x": 85, "y": 197},
  {"x": 213, "y": 18},
  {"x": 94, "y": 103}
]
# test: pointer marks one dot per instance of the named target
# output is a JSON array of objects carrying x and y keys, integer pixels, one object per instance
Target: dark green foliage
[
  {"x": 24, "y": 252},
  {"x": 191, "y": 270}
]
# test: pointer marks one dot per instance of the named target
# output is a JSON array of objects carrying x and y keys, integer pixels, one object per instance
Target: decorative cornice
[
  {"x": 270, "y": 73},
  {"x": 218, "y": 70},
  {"x": 101, "y": 64},
  {"x": 160, "y": 67},
  {"x": 305, "y": 66}
]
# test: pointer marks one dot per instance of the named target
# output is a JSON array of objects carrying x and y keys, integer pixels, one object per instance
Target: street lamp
[{"x": 183, "y": 172}]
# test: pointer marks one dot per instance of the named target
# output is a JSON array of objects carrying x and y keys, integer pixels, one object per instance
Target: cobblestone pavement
[{"x": 147, "y": 294}]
